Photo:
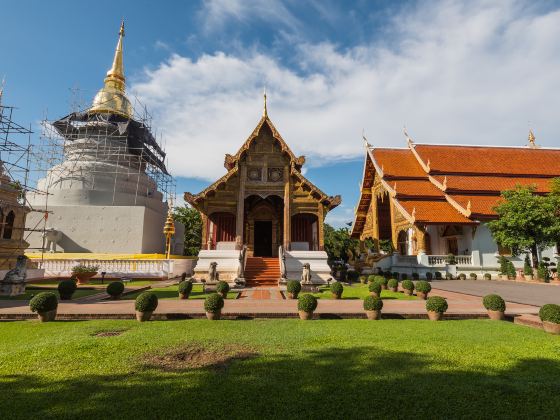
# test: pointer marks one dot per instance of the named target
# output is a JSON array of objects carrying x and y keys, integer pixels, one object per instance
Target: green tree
[
  {"x": 339, "y": 244},
  {"x": 526, "y": 221},
  {"x": 190, "y": 217}
]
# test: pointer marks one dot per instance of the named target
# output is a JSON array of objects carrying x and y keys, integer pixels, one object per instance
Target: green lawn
[
  {"x": 31, "y": 291},
  {"x": 360, "y": 291},
  {"x": 171, "y": 292},
  {"x": 284, "y": 369}
]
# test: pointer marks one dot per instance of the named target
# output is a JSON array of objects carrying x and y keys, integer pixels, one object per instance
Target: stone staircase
[{"x": 262, "y": 271}]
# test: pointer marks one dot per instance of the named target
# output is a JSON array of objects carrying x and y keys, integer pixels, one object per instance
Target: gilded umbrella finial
[
  {"x": 532, "y": 139},
  {"x": 265, "y": 111}
]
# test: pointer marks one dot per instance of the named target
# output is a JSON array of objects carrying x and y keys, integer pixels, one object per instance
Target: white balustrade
[
  {"x": 441, "y": 260},
  {"x": 113, "y": 268}
]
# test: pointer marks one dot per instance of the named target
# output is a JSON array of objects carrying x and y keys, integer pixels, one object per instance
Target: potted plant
[
  {"x": 408, "y": 287},
  {"x": 436, "y": 307},
  {"x": 437, "y": 275},
  {"x": 393, "y": 285},
  {"x": 185, "y": 288},
  {"x": 422, "y": 289},
  {"x": 66, "y": 289},
  {"x": 293, "y": 288},
  {"x": 306, "y": 306},
  {"x": 511, "y": 273},
  {"x": 487, "y": 276},
  {"x": 527, "y": 269},
  {"x": 45, "y": 304},
  {"x": 451, "y": 265},
  {"x": 84, "y": 272},
  {"x": 115, "y": 289},
  {"x": 396, "y": 275},
  {"x": 542, "y": 272},
  {"x": 495, "y": 306},
  {"x": 415, "y": 276},
  {"x": 473, "y": 276},
  {"x": 462, "y": 276},
  {"x": 213, "y": 305},
  {"x": 146, "y": 303},
  {"x": 550, "y": 317},
  {"x": 352, "y": 276},
  {"x": 373, "y": 306},
  {"x": 337, "y": 289},
  {"x": 371, "y": 278},
  {"x": 222, "y": 288},
  {"x": 363, "y": 279},
  {"x": 387, "y": 274},
  {"x": 374, "y": 289},
  {"x": 404, "y": 276},
  {"x": 429, "y": 276}
]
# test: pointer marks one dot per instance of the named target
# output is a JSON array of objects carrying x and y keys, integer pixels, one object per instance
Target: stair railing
[{"x": 282, "y": 259}]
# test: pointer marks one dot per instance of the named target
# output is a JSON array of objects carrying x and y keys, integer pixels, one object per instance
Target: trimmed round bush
[
  {"x": 381, "y": 280},
  {"x": 372, "y": 303},
  {"x": 473, "y": 276},
  {"x": 461, "y": 276},
  {"x": 213, "y": 303},
  {"x": 429, "y": 276},
  {"x": 449, "y": 276},
  {"x": 437, "y": 275},
  {"x": 43, "y": 302},
  {"x": 293, "y": 286},
  {"x": 393, "y": 283},
  {"x": 222, "y": 287},
  {"x": 407, "y": 284},
  {"x": 371, "y": 278},
  {"x": 423, "y": 286},
  {"x": 66, "y": 288},
  {"x": 550, "y": 313},
  {"x": 307, "y": 303},
  {"x": 146, "y": 302},
  {"x": 185, "y": 287},
  {"x": 374, "y": 287},
  {"x": 436, "y": 304},
  {"x": 487, "y": 276},
  {"x": 337, "y": 288},
  {"x": 494, "y": 303},
  {"x": 363, "y": 279},
  {"x": 115, "y": 288}
]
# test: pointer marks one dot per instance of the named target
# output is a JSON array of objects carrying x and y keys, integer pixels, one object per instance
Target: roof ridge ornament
[
  {"x": 366, "y": 143},
  {"x": 409, "y": 140},
  {"x": 444, "y": 182},
  {"x": 532, "y": 139}
]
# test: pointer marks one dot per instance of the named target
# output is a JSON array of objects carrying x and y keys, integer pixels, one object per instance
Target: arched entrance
[
  {"x": 264, "y": 224},
  {"x": 221, "y": 230}
]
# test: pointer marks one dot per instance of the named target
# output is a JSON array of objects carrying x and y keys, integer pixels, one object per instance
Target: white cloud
[{"x": 453, "y": 72}]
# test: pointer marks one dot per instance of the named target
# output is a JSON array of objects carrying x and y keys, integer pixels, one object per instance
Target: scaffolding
[{"x": 107, "y": 146}]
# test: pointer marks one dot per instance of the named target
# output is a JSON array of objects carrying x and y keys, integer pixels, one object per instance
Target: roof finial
[
  {"x": 408, "y": 139},
  {"x": 366, "y": 143},
  {"x": 265, "y": 111},
  {"x": 532, "y": 139}
]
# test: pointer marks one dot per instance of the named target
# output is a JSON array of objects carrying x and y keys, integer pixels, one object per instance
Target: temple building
[
  {"x": 265, "y": 205},
  {"x": 104, "y": 196},
  {"x": 426, "y": 201}
]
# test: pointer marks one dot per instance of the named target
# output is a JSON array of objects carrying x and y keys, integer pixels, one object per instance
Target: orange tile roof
[
  {"x": 398, "y": 163},
  {"x": 490, "y": 160},
  {"x": 491, "y": 183},
  {"x": 434, "y": 211},
  {"x": 481, "y": 205},
  {"x": 415, "y": 188}
]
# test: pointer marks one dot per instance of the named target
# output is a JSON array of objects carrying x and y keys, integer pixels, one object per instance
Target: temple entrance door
[{"x": 263, "y": 238}]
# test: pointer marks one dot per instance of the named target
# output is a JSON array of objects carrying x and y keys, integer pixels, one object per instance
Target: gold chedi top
[{"x": 111, "y": 98}]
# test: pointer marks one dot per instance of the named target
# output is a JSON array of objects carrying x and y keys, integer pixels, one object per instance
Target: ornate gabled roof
[
  {"x": 452, "y": 184},
  {"x": 330, "y": 201},
  {"x": 231, "y": 160}
]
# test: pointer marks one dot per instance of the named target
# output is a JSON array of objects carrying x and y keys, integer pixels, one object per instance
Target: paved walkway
[
  {"x": 536, "y": 294},
  {"x": 459, "y": 305}
]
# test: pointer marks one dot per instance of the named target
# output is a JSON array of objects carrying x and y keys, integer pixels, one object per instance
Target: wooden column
[
  {"x": 320, "y": 221},
  {"x": 240, "y": 207},
  {"x": 205, "y": 222},
  {"x": 287, "y": 209}
]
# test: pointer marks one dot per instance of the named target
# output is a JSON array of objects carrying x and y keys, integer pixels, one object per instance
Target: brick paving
[{"x": 460, "y": 305}]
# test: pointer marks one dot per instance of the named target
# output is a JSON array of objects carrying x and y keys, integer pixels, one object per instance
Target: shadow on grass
[{"x": 342, "y": 383}]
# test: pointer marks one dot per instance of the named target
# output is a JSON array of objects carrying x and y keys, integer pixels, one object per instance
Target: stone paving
[
  {"x": 535, "y": 293},
  {"x": 256, "y": 304}
]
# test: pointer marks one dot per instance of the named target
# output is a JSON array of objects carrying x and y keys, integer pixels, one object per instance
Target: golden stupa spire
[
  {"x": 265, "y": 111},
  {"x": 111, "y": 99}
]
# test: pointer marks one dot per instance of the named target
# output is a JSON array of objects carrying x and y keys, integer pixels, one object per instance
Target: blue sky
[{"x": 475, "y": 72}]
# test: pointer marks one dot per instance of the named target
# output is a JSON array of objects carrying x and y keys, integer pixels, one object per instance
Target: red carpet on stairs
[{"x": 262, "y": 271}]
